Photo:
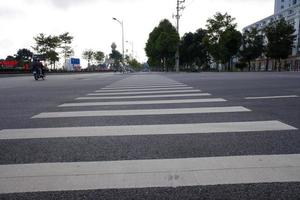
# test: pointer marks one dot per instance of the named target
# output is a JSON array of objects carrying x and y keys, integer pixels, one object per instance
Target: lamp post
[{"x": 122, "y": 25}]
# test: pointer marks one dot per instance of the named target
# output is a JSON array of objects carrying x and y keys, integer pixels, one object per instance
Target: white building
[
  {"x": 281, "y": 5},
  {"x": 290, "y": 10}
]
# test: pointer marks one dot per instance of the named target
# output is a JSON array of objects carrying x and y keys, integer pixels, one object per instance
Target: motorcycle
[{"x": 37, "y": 74}]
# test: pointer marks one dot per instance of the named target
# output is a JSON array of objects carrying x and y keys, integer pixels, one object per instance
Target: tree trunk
[
  {"x": 267, "y": 65},
  {"x": 249, "y": 64}
]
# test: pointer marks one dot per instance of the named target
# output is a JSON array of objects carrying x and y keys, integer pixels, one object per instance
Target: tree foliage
[
  {"x": 192, "y": 50},
  {"x": 222, "y": 38},
  {"x": 98, "y": 56},
  {"x": 280, "y": 36},
  {"x": 88, "y": 55},
  {"x": 252, "y": 46},
  {"x": 162, "y": 45}
]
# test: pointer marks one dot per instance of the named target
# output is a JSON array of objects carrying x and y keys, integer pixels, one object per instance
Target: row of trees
[
  {"x": 219, "y": 43},
  {"x": 50, "y": 47}
]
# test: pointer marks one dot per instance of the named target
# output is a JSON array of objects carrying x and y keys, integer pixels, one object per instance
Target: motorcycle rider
[{"x": 38, "y": 66}]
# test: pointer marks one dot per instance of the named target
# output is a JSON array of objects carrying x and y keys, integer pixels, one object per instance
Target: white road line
[
  {"x": 47, "y": 177},
  {"x": 149, "y": 89},
  {"x": 168, "y": 129},
  {"x": 141, "y": 112},
  {"x": 144, "y": 96},
  {"x": 148, "y": 92},
  {"x": 272, "y": 97},
  {"x": 123, "y": 103},
  {"x": 144, "y": 87}
]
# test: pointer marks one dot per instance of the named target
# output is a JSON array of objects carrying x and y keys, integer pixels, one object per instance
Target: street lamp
[{"x": 122, "y": 25}]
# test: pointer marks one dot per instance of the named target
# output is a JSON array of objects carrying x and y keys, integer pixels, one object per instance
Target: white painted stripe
[
  {"x": 149, "y": 89},
  {"x": 144, "y": 86},
  {"x": 168, "y": 129},
  {"x": 142, "y": 112},
  {"x": 148, "y": 92},
  {"x": 144, "y": 96},
  {"x": 272, "y": 97},
  {"x": 123, "y": 103},
  {"x": 149, "y": 173}
]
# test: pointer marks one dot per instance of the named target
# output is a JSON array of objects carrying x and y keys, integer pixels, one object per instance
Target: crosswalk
[{"x": 146, "y": 90}]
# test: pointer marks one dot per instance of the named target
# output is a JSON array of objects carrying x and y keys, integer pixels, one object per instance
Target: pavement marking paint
[
  {"x": 46, "y": 177},
  {"x": 144, "y": 86},
  {"x": 272, "y": 97},
  {"x": 149, "y": 89},
  {"x": 145, "y": 96},
  {"x": 123, "y": 103},
  {"x": 139, "y": 130},
  {"x": 147, "y": 92},
  {"x": 107, "y": 113}
]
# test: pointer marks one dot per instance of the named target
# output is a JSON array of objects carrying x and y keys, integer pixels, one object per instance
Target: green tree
[
  {"x": 116, "y": 56},
  {"x": 280, "y": 36},
  {"x": 221, "y": 30},
  {"x": 230, "y": 43},
  {"x": 99, "y": 56},
  {"x": 23, "y": 56},
  {"x": 192, "y": 50},
  {"x": 252, "y": 46},
  {"x": 88, "y": 55},
  {"x": 66, "y": 41},
  {"x": 162, "y": 45},
  {"x": 47, "y": 46}
]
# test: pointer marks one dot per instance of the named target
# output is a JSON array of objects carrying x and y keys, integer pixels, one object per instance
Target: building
[{"x": 290, "y": 10}]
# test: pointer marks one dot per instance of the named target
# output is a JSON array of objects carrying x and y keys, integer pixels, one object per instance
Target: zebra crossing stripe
[
  {"x": 147, "y": 92},
  {"x": 144, "y": 87},
  {"x": 184, "y": 172},
  {"x": 166, "y": 129},
  {"x": 147, "y": 89},
  {"x": 142, "y": 112},
  {"x": 145, "y": 96},
  {"x": 123, "y": 103}
]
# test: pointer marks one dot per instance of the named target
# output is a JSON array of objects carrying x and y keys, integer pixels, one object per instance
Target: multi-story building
[{"x": 290, "y": 10}]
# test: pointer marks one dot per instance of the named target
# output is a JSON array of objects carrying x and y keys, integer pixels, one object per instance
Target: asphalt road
[{"x": 65, "y": 137}]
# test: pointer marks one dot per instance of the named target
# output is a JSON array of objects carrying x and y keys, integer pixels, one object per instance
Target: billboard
[{"x": 75, "y": 61}]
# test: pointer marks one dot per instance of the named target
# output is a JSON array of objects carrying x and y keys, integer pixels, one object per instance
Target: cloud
[
  {"x": 8, "y": 13},
  {"x": 62, "y": 4}
]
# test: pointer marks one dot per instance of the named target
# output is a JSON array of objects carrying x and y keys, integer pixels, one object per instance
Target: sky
[{"x": 90, "y": 21}]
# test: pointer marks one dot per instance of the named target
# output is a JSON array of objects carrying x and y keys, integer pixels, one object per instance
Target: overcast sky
[{"x": 91, "y": 24}]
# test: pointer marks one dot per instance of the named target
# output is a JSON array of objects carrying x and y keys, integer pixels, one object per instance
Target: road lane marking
[
  {"x": 46, "y": 177},
  {"x": 145, "y": 96},
  {"x": 139, "y": 130},
  {"x": 148, "y": 92},
  {"x": 144, "y": 87},
  {"x": 123, "y": 103},
  {"x": 107, "y": 113},
  {"x": 149, "y": 89},
  {"x": 272, "y": 97}
]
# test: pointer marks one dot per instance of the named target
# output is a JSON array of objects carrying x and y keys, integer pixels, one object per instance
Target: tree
[
  {"x": 162, "y": 45},
  {"x": 116, "y": 56},
  {"x": 88, "y": 55},
  {"x": 221, "y": 31},
  {"x": 99, "y": 56},
  {"x": 280, "y": 36},
  {"x": 66, "y": 41},
  {"x": 23, "y": 56},
  {"x": 252, "y": 46},
  {"x": 10, "y": 58},
  {"x": 47, "y": 47},
  {"x": 192, "y": 50},
  {"x": 230, "y": 43}
]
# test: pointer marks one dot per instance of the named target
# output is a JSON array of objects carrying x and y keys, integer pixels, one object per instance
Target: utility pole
[{"x": 178, "y": 9}]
